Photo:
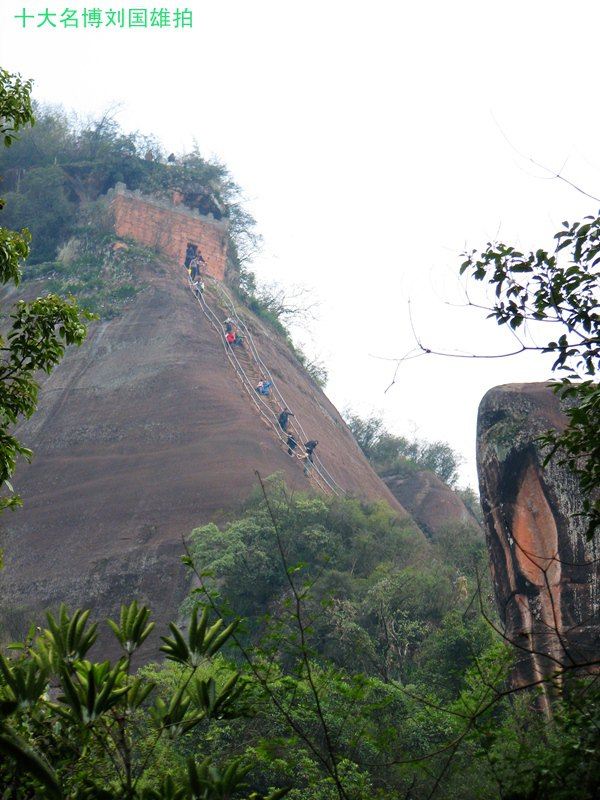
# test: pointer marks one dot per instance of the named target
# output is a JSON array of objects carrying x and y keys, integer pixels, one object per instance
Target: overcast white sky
[{"x": 371, "y": 141}]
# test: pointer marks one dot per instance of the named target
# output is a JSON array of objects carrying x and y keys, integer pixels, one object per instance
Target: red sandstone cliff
[
  {"x": 430, "y": 502},
  {"x": 141, "y": 435},
  {"x": 546, "y": 575}
]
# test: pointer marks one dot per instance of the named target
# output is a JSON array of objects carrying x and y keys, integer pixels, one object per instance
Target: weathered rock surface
[
  {"x": 546, "y": 575},
  {"x": 141, "y": 435},
  {"x": 430, "y": 502}
]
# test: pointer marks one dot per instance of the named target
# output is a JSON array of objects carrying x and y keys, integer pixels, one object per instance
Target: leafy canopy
[
  {"x": 37, "y": 332},
  {"x": 391, "y": 454},
  {"x": 559, "y": 288},
  {"x": 379, "y": 591},
  {"x": 101, "y": 731}
]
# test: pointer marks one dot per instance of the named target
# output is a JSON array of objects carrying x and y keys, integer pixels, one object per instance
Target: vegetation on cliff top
[
  {"x": 37, "y": 333},
  {"x": 59, "y": 169},
  {"x": 396, "y": 455},
  {"x": 55, "y": 178}
]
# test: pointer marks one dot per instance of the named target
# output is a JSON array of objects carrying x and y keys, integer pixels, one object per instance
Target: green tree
[
  {"x": 98, "y": 734},
  {"x": 75, "y": 162},
  {"x": 42, "y": 204},
  {"x": 15, "y": 105},
  {"x": 391, "y": 454},
  {"x": 37, "y": 332},
  {"x": 559, "y": 288},
  {"x": 335, "y": 644}
]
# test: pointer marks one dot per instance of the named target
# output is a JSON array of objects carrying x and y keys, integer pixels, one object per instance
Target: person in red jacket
[{"x": 234, "y": 339}]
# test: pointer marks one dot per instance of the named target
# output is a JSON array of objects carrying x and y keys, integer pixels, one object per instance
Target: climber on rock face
[
  {"x": 263, "y": 387},
  {"x": 194, "y": 268},
  {"x": 292, "y": 444},
  {"x": 283, "y": 418},
  {"x": 195, "y": 265},
  {"x": 309, "y": 447}
]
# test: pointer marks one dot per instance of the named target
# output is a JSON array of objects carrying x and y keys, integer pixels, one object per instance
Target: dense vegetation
[
  {"x": 362, "y": 668},
  {"x": 392, "y": 589},
  {"x": 34, "y": 334},
  {"x": 390, "y": 454},
  {"x": 58, "y": 170},
  {"x": 339, "y": 655},
  {"x": 62, "y": 164},
  {"x": 396, "y": 455},
  {"x": 55, "y": 177}
]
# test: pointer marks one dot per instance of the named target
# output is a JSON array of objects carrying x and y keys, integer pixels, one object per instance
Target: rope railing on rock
[
  {"x": 258, "y": 400},
  {"x": 266, "y": 372},
  {"x": 267, "y": 413}
]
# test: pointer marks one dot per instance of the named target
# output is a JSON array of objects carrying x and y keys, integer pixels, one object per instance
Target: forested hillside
[
  {"x": 355, "y": 661},
  {"x": 315, "y": 645},
  {"x": 62, "y": 164}
]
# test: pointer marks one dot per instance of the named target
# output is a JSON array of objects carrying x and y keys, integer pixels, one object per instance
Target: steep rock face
[
  {"x": 430, "y": 502},
  {"x": 141, "y": 435},
  {"x": 545, "y": 573}
]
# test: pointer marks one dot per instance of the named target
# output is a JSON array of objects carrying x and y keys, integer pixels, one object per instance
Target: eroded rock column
[{"x": 546, "y": 575}]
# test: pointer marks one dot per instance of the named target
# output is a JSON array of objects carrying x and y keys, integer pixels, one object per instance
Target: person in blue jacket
[{"x": 263, "y": 387}]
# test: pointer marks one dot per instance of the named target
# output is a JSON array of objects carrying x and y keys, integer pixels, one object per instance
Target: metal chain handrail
[
  {"x": 327, "y": 475},
  {"x": 321, "y": 480}
]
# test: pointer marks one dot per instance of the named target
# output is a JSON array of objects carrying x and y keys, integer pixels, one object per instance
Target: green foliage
[
  {"x": 42, "y": 205},
  {"x": 359, "y": 645},
  {"x": 100, "y": 732},
  {"x": 578, "y": 446},
  {"x": 559, "y": 288},
  {"x": 396, "y": 455},
  {"x": 471, "y": 500},
  {"x": 96, "y": 268},
  {"x": 68, "y": 637},
  {"x": 133, "y": 627},
  {"x": 14, "y": 248},
  {"x": 272, "y": 305},
  {"x": 15, "y": 105},
  {"x": 378, "y": 591},
  {"x": 286, "y": 747},
  {"x": 315, "y": 368},
  {"x": 369, "y": 677},
  {"x": 461, "y": 546},
  {"x": 37, "y": 332},
  {"x": 395, "y": 659},
  {"x": 447, "y": 654},
  {"x": 15, "y": 112},
  {"x": 61, "y": 165},
  {"x": 362, "y": 670},
  {"x": 253, "y": 302},
  {"x": 202, "y": 642},
  {"x": 531, "y": 758},
  {"x": 55, "y": 176}
]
